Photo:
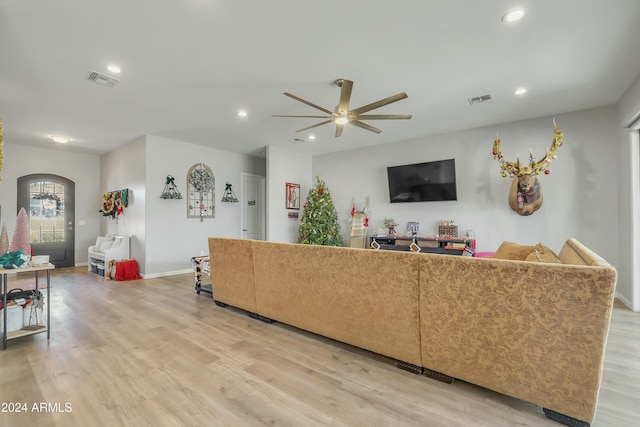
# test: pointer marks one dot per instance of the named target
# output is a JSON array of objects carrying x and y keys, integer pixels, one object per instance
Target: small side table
[
  {"x": 4, "y": 275},
  {"x": 201, "y": 266}
]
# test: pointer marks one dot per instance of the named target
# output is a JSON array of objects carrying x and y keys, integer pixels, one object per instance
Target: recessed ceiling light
[
  {"x": 242, "y": 113},
  {"x": 520, "y": 91},
  {"x": 114, "y": 69},
  {"x": 60, "y": 139},
  {"x": 312, "y": 137},
  {"x": 513, "y": 15}
]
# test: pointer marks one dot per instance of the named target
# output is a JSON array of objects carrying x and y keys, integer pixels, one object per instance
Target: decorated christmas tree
[{"x": 319, "y": 224}]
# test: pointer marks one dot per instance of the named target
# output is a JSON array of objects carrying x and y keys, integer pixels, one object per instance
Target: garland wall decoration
[
  {"x": 229, "y": 196},
  {"x": 114, "y": 202},
  {"x": 201, "y": 184},
  {"x": 170, "y": 189}
]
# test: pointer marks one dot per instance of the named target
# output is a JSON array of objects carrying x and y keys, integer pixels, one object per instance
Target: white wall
[
  {"x": 628, "y": 288},
  {"x": 82, "y": 169},
  {"x": 285, "y": 166},
  {"x": 123, "y": 168},
  {"x": 580, "y": 197},
  {"x": 172, "y": 238}
]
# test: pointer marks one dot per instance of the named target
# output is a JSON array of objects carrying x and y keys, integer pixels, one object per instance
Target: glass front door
[{"x": 49, "y": 202}]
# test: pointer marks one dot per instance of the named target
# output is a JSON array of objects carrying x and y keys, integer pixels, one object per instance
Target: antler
[{"x": 512, "y": 169}]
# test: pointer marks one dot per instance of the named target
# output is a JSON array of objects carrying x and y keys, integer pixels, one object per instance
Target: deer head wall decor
[{"x": 525, "y": 196}]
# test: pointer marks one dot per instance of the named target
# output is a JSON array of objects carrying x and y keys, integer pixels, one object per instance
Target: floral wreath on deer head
[{"x": 525, "y": 196}]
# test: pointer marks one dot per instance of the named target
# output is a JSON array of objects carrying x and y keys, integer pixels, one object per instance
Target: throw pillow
[
  {"x": 541, "y": 253},
  {"x": 106, "y": 245},
  {"x": 514, "y": 251}
]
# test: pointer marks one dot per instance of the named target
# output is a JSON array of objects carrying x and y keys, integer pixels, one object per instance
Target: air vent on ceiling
[
  {"x": 102, "y": 79},
  {"x": 296, "y": 140},
  {"x": 479, "y": 99}
]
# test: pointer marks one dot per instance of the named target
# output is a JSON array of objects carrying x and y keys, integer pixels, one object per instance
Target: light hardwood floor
[{"x": 153, "y": 353}]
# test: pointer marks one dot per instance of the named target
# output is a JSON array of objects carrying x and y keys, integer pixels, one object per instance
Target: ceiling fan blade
[
  {"x": 345, "y": 96},
  {"x": 365, "y": 126},
  {"x": 306, "y": 117},
  {"x": 339, "y": 129},
  {"x": 310, "y": 104},
  {"x": 316, "y": 125},
  {"x": 384, "y": 116},
  {"x": 379, "y": 104}
]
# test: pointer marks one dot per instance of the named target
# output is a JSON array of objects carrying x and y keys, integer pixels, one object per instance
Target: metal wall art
[
  {"x": 170, "y": 189},
  {"x": 201, "y": 201},
  {"x": 229, "y": 195}
]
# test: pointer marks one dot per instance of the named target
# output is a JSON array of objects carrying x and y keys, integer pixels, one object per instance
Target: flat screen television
[{"x": 423, "y": 182}]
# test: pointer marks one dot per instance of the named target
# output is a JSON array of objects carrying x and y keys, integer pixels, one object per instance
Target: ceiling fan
[{"x": 343, "y": 116}]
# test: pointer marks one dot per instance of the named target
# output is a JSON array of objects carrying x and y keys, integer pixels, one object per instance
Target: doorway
[
  {"x": 253, "y": 207},
  {"x": 49, "y": 201}
]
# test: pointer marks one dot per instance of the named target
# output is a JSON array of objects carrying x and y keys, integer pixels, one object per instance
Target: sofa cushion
[
  {"x": 106, "y": 244},
  {"x": 102, "y": 239},
  {"x": 514, "y": 251},
  {"x": 541, "y": 253}
]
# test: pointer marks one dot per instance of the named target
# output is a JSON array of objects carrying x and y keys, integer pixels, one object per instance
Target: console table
[
  {"x": 438, "y": 245},
  {"x": 4, "y": 275}
]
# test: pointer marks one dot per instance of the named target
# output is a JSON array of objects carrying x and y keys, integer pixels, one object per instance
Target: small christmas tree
[
  {"x": 4, "y": 240},
  {"x": 319, "y": 224},
  {"x": 20, "y": 238}
]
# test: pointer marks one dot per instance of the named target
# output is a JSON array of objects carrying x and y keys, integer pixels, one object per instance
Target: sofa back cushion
[
  {"x": 541, "y": 253},
  {"x": 513, "y": 251}
]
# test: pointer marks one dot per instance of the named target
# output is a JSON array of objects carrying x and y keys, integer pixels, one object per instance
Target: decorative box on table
[{"x": 448, "y": 230}]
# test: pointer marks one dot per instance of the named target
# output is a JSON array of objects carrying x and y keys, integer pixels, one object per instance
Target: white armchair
[{"x": 108, "y": 248}]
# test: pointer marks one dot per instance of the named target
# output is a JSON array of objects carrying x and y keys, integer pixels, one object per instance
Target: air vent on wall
[
  {"x": 479, "y": 99},
  {"x": 102, "y": 79}
]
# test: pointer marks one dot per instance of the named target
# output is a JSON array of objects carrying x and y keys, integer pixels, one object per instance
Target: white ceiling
[{"x": 188, "y": 66}]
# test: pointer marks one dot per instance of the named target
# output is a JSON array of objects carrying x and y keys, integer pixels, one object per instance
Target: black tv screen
[{"x": 423, "y": 182}]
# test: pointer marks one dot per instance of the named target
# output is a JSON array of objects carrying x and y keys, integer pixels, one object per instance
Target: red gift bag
[{"x": 127, "y": 270}]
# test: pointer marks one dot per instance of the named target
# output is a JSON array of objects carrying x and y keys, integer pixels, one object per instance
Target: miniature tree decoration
[
  {"x": 4, "y": 240},
  {"x": 20, "y": 238},
  {"x": 319, "y": 224},
  {"x": 170, "y": 189}
]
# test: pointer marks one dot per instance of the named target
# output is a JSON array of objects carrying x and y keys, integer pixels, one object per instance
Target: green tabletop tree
[{"x": 319, "y": 224}]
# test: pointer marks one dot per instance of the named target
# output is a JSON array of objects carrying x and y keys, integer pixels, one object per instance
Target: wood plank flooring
[{"x": 153, "y": 353}]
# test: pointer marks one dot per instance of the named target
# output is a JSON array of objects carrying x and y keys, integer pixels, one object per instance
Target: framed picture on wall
[{"x": 292, "y": 196}]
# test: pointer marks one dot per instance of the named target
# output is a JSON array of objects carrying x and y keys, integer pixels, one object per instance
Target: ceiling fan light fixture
[{"x": 343, "y": 115}]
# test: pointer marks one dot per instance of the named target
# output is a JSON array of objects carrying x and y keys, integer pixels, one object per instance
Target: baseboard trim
[
  {"x": 625, "y": 301},
  {"x": 166, "y": 273}
]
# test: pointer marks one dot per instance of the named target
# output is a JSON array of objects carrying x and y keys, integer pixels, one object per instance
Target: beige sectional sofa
[{"x": 532, "y": 330}]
